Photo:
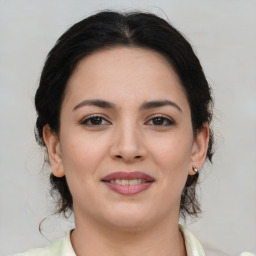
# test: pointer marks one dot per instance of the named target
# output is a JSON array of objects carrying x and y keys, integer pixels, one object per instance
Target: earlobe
[
  {"x": 199, "y": 149},
  {"x": 54, "y": 152}
]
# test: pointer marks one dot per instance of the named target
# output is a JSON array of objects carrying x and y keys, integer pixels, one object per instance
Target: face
[{"x": 126, "y": 143}]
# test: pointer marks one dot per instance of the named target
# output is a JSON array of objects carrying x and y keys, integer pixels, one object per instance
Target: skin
[{"x": 127, "y": 138}]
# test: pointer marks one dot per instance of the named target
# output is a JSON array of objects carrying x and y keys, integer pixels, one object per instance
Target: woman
[{"x": 124, "y": 111}]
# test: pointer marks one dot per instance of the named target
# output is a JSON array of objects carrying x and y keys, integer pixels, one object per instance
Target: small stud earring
[{"x": 194, "y": 169}]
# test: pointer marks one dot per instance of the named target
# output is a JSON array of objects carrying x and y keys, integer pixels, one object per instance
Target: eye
[
  {"x": 160, "y": 120},
  {"x": 94, "y": 120}
]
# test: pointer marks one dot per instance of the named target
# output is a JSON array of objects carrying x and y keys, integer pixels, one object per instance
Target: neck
[{"x": 162, "y": 239}]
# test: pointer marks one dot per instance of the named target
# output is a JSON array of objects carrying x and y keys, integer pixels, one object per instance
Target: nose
[{"x": 128, "y": 144}]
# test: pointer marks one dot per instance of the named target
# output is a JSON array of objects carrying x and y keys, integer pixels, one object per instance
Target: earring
[{"x": 194, "y": 169}]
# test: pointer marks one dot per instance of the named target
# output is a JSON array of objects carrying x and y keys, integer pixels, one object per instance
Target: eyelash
[
  {"x": 91, "y": 117},
  {"x": 164, "y": 118}
]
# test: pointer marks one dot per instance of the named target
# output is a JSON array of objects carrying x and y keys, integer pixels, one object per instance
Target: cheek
[
  {"x": 82, "y": 153},
  {"x": 82, "y": 156},
  {"x": 172, "y": 152},
  {"x": 171, "y": 157}
]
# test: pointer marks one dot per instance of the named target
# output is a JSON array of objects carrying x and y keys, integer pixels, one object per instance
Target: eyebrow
[
  {"x": 159, "y": 103},
  {"x": 145, "y": 105},
  {"x": 95, "y": 102}
]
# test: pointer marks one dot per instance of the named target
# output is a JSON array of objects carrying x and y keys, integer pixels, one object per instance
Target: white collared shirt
[{"x": 63, "y": 246}]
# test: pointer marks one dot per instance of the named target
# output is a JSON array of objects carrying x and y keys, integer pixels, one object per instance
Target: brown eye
[
  {"x": 94, "y": 121},
  {"x": 160, "y": 121}
]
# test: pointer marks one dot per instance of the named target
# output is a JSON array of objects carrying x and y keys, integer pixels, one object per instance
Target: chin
[
  {"x": 129, "y": 225},
  {"x": 130, "y": 218}
]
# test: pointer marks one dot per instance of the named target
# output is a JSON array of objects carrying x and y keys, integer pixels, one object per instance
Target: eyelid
[
  {"x": 87, "y": 118},
  {"x": 169, "y": 119}
]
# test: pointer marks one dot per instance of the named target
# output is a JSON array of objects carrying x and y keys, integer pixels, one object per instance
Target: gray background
[{"x": 223, "y": 34}]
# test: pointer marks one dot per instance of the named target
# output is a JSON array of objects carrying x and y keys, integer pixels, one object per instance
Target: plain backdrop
[{"x": 222, "y": 33}]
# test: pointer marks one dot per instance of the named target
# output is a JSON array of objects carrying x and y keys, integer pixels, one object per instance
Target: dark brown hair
[{"x": 108, "y": 29}]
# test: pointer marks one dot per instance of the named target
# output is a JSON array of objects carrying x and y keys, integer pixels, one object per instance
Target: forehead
[
  {"x": 124, "y": 73},
  {"x": 129, "y": 60}
]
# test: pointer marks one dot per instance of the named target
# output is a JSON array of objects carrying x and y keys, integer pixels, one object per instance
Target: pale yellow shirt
[{"x": 63, "y": 246}]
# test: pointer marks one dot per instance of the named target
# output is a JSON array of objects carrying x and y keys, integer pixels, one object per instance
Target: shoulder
[
  {"x": 193, "y": 246},
  {"x": 60, "y": 247}
]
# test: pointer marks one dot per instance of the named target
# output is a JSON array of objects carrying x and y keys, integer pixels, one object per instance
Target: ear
[
  {"x": 53, "y": 145},
  {"x": 199, "y": 149}
]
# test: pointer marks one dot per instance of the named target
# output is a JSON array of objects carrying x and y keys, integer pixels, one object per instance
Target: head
[{"x": 105, "y": 35}]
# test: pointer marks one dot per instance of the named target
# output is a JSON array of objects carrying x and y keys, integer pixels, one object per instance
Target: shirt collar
[{"x": 193, "y": 247}]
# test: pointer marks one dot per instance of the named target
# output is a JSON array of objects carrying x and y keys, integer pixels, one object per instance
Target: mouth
[{"x": 128, "y": 183}]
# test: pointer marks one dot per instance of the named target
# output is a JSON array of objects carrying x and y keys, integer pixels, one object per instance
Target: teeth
[
  {"x": 128, "y": 182},
  {"x": 125, "y": 182},
  {"x": 134, "y": 182}
]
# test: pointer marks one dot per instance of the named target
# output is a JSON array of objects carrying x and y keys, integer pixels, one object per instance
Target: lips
[{"x": 128, "y": 183}]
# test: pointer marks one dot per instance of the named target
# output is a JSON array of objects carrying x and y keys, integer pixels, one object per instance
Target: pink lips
[{"x": 147, "y": 181}]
